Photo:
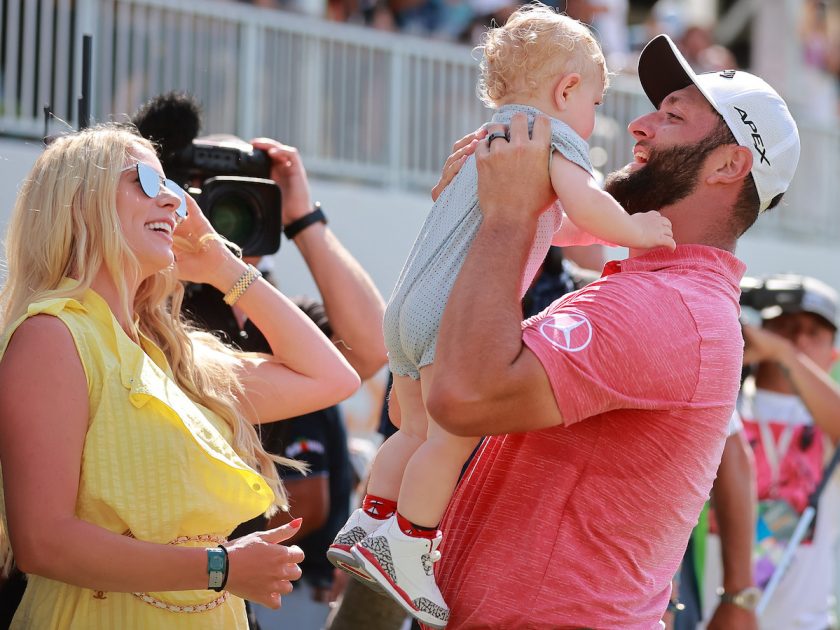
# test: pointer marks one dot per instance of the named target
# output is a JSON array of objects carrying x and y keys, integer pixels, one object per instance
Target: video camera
[
  {"x": 790, "y": 293},
  {"x": 760, "y": 294},
  {"x": 228, "y": 178},
  {"x": 234, "y": 191}
]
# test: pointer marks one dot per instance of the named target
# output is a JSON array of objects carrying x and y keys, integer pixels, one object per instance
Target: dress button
[{"x": 256, "y": 487}]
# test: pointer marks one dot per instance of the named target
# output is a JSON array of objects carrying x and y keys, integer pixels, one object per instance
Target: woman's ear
[
  {"x": 564, "y": 87},
  {"x": 732, "y": 163}
]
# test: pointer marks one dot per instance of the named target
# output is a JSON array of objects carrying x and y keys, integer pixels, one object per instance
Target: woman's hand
[
  {"x": 259, "y": 569},
  {"x": 199, "y": 252},
  {"x": 288, "y": 172},
  {"x": 461, "y": 150}
]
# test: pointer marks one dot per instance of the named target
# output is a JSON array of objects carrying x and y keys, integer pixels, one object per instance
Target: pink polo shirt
[{"x": 584, "y": 524}]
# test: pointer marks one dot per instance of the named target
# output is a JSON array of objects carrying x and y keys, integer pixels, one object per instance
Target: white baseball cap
[{"x": 754, "y": 112}]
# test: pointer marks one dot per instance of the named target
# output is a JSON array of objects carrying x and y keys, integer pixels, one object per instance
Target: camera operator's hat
[
  {"x": 754, "y": 112},
  {"x": 801, "y": 294}
]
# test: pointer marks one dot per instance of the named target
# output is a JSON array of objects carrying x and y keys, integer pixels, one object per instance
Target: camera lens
[{"x": 232, "y": 214}]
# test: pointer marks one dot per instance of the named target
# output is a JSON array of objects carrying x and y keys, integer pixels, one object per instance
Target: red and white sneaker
[
  {"x": 404, "y": 567},
  {"x": 355, "y": 529}
]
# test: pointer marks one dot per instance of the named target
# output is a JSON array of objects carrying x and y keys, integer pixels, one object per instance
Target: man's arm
[
  {"x": 353, "y": 304},
  {"x": 734, "y": 497},
  {"x": 810, "y": 382},
  {"x": 493, "y": 383}
]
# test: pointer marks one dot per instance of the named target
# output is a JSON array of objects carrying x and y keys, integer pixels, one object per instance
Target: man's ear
[
  {"x": 564, "y": 87},
  {"x": 731, "y": 163}
]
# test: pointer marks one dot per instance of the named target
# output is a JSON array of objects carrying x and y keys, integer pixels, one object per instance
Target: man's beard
[{"x": 668, "y": 176}]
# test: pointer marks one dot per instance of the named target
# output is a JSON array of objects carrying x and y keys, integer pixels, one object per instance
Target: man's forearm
[
  {"x": 814, "y": 386},
  {"x": 354, "y": 305},
  {"x": 480, "y": 333},
  {"x": 734, "y": 499}
]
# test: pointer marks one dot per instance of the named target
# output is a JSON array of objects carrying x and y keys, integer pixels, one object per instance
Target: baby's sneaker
[
  {"x": 359, "y": 525},
  {"x": 404, "y": 567}
]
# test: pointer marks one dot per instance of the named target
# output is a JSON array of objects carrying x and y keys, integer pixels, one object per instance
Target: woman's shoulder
[{"x": 36, "y": 345}]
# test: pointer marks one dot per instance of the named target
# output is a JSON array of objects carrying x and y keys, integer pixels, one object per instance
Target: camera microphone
[{"x": 172, "y": 121}]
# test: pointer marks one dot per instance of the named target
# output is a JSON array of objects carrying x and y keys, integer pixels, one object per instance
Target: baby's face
[{"x": 581, "y": 103}]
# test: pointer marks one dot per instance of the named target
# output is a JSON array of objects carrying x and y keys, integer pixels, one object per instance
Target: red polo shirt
[{"x": 584, "y": 525}]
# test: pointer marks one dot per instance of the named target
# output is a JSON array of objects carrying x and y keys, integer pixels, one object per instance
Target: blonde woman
[{"x": 126, "y": 440}]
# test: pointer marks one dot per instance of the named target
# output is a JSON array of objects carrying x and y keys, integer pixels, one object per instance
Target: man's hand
[
  {"x": 513, "y": 175},
  {"x": 763, "y": 345},
  {"x": 288, "y": 171},
  {"x": 730, "y": 616}
]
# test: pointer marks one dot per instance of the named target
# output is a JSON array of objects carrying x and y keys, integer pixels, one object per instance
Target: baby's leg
[
  {"x": 389, "y": 464},
  {"x": 432, "y": 472}
]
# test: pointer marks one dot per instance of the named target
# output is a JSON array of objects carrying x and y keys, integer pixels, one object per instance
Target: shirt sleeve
[{"x": 628, "y": 343}]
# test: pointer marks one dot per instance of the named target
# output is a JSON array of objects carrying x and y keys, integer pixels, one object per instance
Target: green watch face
[{"x": 216, "y": 562}]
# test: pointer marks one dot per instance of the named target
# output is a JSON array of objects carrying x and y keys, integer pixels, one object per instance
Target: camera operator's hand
[
  {"x": 763, "y": 345},
  {"x": 288, "y": 171},
  {"x": 198, "y": 251},
  {"x": 260, "y": 569}
]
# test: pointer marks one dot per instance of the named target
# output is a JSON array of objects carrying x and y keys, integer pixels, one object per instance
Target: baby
[{"x": 539, "y": 62}]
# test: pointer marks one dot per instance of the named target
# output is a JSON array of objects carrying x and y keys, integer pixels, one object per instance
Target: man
[
  {"x": 610, "y": 408},
  {"x": 351, "y": 315},
  {"x": 791, "y": 414}
]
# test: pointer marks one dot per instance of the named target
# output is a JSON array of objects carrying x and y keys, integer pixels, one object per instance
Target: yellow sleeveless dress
[{"x": 155, "y": 466}]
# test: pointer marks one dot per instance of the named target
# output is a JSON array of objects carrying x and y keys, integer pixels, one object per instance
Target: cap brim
[{"x": 663, "y": 70}]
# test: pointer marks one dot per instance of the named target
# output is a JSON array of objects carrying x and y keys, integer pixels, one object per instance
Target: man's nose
[{"x": 642, "y": 127}]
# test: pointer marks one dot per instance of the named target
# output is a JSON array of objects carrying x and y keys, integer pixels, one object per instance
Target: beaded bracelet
[{"x": 240, "y": 286}]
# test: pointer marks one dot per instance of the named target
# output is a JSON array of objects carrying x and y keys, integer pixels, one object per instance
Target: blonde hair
[
  {"x": 64, "y": 225},
  {"x": 535, "y": 44}
]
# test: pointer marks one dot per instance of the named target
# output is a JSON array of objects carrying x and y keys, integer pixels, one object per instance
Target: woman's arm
[
  {"x": 44, "y": 413},
  {"x": 305, "y": 371}
]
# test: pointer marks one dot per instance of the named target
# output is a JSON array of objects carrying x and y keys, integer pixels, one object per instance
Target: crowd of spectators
[{"x": 621, "y": 26}]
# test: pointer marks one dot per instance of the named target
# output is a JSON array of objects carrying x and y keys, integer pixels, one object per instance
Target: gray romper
[{"x": 412, "y": 318}]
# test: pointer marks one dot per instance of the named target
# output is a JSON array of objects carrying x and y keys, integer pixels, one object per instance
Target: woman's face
[{"x": 147, "y": 224}]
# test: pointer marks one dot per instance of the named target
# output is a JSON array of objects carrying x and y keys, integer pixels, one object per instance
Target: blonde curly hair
[{"x": 535, "y": 44}]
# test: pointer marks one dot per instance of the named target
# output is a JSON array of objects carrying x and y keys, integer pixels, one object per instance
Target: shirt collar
[{"x": 688, "y": 256}]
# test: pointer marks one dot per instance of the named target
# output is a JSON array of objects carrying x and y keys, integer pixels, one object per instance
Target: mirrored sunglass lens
[
  {"x": 149, "y": 180},
  {"x": 182, "y": 209}
]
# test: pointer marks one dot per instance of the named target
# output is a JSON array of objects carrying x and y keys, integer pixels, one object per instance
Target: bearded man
[{"x": 609, "y": 410}]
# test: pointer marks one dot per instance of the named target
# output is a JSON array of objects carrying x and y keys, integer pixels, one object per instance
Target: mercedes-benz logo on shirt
[{"x": 566, "y": 331}]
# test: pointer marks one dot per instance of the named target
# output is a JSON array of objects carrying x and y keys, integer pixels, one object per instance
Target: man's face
[
  {"x": 810, "y": 333},
  {"x": 672, "y": 145}
]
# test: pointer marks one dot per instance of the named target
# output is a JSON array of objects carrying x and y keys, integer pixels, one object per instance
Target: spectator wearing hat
[
  {"x": 791, "y": 414},
  {"x": 618, "y": 396}
]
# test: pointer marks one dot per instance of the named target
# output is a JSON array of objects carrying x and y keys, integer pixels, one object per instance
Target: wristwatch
[
  {"x": 216, "y": 568},
  {"x": 298, "y": 225},
  {"x": 747, "y": 598}
]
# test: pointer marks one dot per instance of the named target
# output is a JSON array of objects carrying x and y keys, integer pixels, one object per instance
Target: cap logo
[
  {"x": 728, "y": 74},
  {"x": 756, "y": 137}
]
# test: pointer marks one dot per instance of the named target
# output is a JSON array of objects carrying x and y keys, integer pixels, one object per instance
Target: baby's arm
[{"x": 595, "y": 211}]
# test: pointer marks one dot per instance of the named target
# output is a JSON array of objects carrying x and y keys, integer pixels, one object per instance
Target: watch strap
[
  {"x": 298, "y": 225},
  {"x": 217, "y": 568}
]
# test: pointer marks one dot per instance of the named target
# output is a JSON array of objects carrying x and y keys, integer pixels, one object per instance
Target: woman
[{"x": 126, "y": 438}]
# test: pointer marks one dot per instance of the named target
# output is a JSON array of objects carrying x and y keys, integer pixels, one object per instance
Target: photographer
[
  {"x": 791, "y": 416},
  {"x": 351, "y": 316}
]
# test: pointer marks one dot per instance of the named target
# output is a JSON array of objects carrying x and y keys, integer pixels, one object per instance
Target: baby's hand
[{"x": 653, "y": 230}]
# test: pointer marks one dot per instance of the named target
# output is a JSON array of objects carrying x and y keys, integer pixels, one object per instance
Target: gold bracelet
[{"x": 240, "y": 286}]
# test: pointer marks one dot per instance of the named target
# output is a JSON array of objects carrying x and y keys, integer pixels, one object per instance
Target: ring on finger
[{"x": 497, "y": 134}]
